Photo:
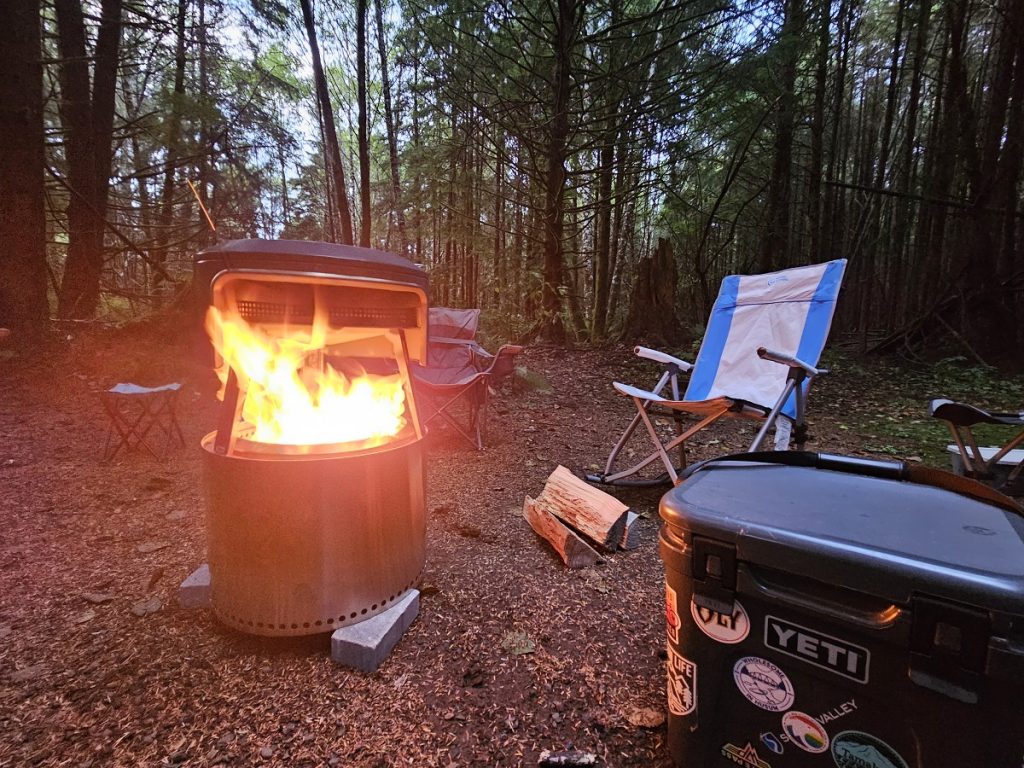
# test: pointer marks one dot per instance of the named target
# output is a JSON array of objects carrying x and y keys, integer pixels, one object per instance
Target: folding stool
[{"x": 135, "y": 412}]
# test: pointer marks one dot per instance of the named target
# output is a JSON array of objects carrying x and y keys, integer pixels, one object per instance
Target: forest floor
[{"x": 511, "y": 653}]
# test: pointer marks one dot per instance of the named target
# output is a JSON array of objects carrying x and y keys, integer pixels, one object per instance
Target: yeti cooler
[{"x": 834, "y": 611}]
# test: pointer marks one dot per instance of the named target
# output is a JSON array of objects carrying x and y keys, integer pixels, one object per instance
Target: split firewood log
[
  {"x": 595, "y": 514},
  {"x": 631, "y": 533},
  {"x": 573, "y": 550}
]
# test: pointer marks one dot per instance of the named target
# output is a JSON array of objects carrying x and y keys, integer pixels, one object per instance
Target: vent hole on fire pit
[
  {"x": 318, "y": 623},
  {"x": 363, "y": 612},
  {"x": 295, "y": 626},
  {"x": 372, "y": 608},
  {"x": 352, "y": 615},
  {"x": 282, "y": 626},
  {"x": 305, "y": 624}
]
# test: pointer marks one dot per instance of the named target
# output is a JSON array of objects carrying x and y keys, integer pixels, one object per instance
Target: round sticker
[
  {"x": 763, "y": 684},
  {"x": 718, "y": 626},
  {"x": 672, "y": 621},
  {"x": 856, "y": 749},
  {"x": 806, "y": 732}
]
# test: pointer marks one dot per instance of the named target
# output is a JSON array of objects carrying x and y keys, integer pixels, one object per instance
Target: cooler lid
[{"x": 860, "y": 526}]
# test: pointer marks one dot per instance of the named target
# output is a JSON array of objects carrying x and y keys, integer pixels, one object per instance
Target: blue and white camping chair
[{"x": 758, "y": 358}]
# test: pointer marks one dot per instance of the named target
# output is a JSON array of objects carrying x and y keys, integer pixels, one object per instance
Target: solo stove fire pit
[{"x": 314, "y": 478}]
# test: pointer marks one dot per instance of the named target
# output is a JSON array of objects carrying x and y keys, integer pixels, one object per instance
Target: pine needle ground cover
[{"x": 511, "y": 654}]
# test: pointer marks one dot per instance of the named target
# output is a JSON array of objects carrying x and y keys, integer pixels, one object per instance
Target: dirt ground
[{"x": 88, "y": 546}]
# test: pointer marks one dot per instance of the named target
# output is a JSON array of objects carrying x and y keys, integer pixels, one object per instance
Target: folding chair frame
[
  {"x": 439, "y": 399},
  {"x": 153, "y": 408},
  {"x": 439, "y": 402},
  {"x": 960, "y": 418},
  {"x": 711, "y": 411}
]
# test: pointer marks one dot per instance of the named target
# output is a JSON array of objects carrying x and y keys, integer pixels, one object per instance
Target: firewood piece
[
  {"x": 631, "y": 533},
  {"x": 568, "y": 758},
  {"x": 592, "y": 512},
  {"x": 573, "y": 550}
]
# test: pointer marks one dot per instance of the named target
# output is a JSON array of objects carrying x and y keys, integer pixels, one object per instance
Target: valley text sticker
[
  {"x": 721, "y": 627},
  {"x": 682, "y": 684},
  {"x": 804, "y": 731},
  {"x": 763, "y": 684},
  {"x": 672, "y": 620},
  {"x": 856, "y": 749}
]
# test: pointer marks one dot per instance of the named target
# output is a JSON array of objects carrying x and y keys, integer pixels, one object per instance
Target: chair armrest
[
  {"x": 662, "y": 357},
  {"x": 792, "y": 362},
  {"x": 501, "y": 364},
  {"x": 643, "y": 394}
]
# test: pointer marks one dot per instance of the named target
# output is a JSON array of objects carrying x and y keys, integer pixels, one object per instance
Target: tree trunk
[
  {"x": 333, "y": 160},
  {"x": 775, "y": 249},
  {"x": 87, "y": 115},
  {"x": 389, "y": 121},
  {"x": 364, "y": 145},
  {"x": 23, "y": 304},
  {"x": 652, "y": 306},
  {"x": 818, "y": 127},
  {"x": 566, "y": 30},
  {"x": 173, "y": 149}
]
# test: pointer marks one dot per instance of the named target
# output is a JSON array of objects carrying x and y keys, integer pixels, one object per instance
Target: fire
[{"x": 293, "y": 396}]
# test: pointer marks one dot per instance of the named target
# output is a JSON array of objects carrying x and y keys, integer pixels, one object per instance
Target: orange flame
[{"x": 288, "y": 401}]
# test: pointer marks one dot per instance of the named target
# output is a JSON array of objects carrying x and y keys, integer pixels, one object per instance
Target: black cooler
[{"x": 830, "y": 611}]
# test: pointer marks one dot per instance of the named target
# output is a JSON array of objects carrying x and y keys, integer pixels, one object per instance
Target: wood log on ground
[
  {"x": 631, "y": 533},
  {"x": 573, "y": 550},
  {"x": 592, "y": 512}
]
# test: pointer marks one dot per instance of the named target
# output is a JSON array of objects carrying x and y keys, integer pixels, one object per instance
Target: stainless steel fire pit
[
  {"x": 309, "y": 538},
  {"x": 305, "y": 544}
]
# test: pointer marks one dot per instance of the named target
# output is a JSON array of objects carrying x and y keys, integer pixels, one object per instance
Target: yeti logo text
[{"x": 816, "y": 648}]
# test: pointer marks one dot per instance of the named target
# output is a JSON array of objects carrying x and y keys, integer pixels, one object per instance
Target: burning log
[
  {"x": 595, "y": 514},
  {"x": 575, "y": 552}
]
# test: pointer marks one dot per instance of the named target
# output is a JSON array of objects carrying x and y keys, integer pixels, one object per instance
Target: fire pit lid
[{"x": 308, "y": 256}]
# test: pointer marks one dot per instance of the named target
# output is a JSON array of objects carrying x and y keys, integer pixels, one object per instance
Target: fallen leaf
[
  {"x": 85, "y": 616},
  {"x": 154, "y": 579},
  {"x": 517, "y": 643},
  {"x": 646, "y": 717},
  {"x": 147, "y": 606},
  {"x": 97, "y": 598},
  {"x": 25, "y": 674},
  {"x": 152, "y": 546},
  {"x": 176, "y": 514}
]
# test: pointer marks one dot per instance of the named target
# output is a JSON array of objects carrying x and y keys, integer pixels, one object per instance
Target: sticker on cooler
[
  {"x": 856, "y": 749},
  {"x": 773, "y": 743},
  {"x": 672, "y": 620},
  {"x": 721, "y": 627},
  {"x": 682, "y": 684},
  {"x": 804, "y": 731},
  {"x": 825, "y": 651},
  {"x": 763, "y": 684},
  {"x": 746, "y": 756}
]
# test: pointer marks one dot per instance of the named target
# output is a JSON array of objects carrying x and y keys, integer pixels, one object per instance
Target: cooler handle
[
  {"x": 887, "y": 470},
  {"x": 883, "y": 618}
]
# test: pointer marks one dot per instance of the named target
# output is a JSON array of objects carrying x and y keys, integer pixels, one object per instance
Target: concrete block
[
  {"x": 366, "y": 644},
  {"x": 194, "y": 591}
]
